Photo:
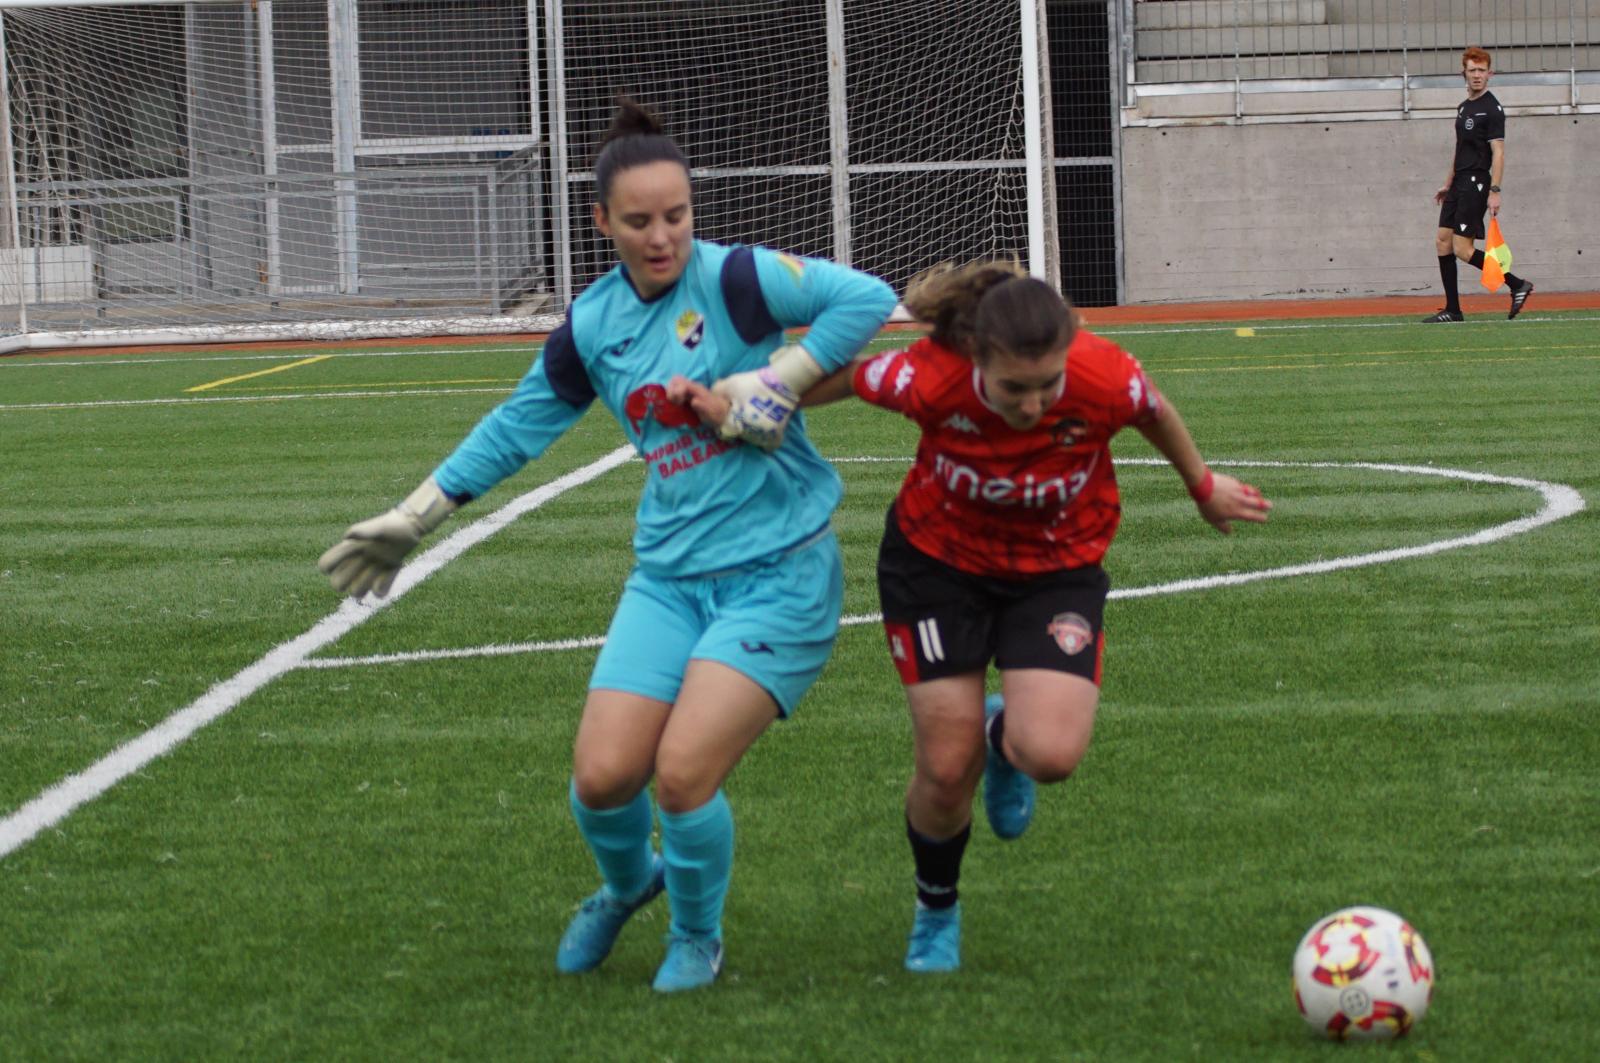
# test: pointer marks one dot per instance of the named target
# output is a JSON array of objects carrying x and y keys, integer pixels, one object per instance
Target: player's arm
[
  {"x": 843, "y": 308},
  {"x": 712, "y": 408},
  {"x": 1220, "y": 498},
  {"x": 835, "y": 386},
  {"x": 1497, "y": 167},
  {"x": 549, "y": 400}
]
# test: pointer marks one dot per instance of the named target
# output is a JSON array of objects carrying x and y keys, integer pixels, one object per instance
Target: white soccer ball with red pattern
[{"x": 1362, "y": 974}]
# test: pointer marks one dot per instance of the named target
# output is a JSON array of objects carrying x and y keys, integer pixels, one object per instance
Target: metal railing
[{"x": 1237, "y": 40}]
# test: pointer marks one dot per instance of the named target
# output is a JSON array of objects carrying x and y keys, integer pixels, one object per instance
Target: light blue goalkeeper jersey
[{"x": 708, "y": 504}]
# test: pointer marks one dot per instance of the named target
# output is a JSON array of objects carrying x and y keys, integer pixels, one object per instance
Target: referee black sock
[
  {"x": 1511, "y": 278},
  {"x": 1447, "y": 274},
  {"x": 1477, "y": 259},
  {"x": 938, "y": 865}
]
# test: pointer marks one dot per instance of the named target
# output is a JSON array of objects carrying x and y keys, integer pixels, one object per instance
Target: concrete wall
[{"x": 1343, "y": 208}]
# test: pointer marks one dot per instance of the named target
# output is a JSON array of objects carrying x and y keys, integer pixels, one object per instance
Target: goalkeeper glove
[
  {"x": 369, "y": 555},
  {"x": 761, "y": 401}
]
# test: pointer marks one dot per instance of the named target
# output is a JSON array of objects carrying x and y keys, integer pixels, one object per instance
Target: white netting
[{"x": 233, "y": 169}]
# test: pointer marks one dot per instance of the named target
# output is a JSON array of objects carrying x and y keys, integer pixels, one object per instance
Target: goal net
[{"x": 345, "y": 168}]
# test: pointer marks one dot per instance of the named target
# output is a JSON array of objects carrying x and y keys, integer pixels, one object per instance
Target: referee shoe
[
  {"x": 1448, "y": 315},
  {"x": 1518, "y": 297}
]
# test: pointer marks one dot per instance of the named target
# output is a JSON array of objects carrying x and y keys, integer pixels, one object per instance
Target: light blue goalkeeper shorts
[{"x": 773, "y": 620}]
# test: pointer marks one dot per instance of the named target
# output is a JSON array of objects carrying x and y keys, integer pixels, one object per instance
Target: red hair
[{"x": 1476, "y": 55}]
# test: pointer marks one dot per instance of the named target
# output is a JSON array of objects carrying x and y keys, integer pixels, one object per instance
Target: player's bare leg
[{"x": 947, "y": 725}]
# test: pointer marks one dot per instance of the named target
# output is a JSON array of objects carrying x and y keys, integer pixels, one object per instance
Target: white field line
[
  {"x": 253, "y": 398},
  {"x": 443, "y": 351},
  {"x": 56, "y": 803},
  {"x": 1313, "y": 326},
  {"x": 1559, "y": 501}
]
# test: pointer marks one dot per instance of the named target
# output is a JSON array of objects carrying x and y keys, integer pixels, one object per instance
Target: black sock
[
  {"x": 938, "y": 865},
  {"x": 1477, "y": 260},
  {"x": 1447, "y": 274},
  {"x": 1515, "y": 281},
  {"x": 994, "y": 732}
]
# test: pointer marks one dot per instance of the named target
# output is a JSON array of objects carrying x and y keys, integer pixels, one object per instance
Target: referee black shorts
[
  {"x": 942, "y": 621},
  {"x": 1465, "y": 204}
]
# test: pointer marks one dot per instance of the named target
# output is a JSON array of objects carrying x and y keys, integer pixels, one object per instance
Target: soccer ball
[{"x": 1362, "y": 973}]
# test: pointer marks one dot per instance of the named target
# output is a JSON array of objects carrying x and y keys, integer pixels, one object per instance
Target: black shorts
[
  {"x": 1465, "y": 204},
  {"x": 942, "y": 621}
]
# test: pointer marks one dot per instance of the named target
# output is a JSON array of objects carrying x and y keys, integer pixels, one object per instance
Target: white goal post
[{"x": 225, "y": 170}]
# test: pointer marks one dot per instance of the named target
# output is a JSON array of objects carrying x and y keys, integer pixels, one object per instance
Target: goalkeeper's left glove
[
  {"x": 761, "y": 401},
  {"x": 368, "y": 557}
]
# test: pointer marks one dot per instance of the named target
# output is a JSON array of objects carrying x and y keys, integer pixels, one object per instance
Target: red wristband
[{"x": 1201, "y": 492}]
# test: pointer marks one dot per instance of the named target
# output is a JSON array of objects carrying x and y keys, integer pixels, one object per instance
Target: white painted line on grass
[
  {"x": 1560, "y": 501},
  {"x": 105, "y": 403},
  {"x": 58, "y": 802},
  {"x": 441, "y": 351},
  {"x": 1312, "y": 326}
]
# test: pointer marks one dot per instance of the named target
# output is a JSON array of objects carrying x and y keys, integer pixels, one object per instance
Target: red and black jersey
[{"x": 993, "y": 500}]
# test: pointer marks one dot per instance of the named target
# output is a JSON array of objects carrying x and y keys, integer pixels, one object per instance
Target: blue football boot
[
  {"x": 692, "y": 961},
  {"x": 1007, "y": 793},
  {"x": 594, "y": 929},
  {"x": 935, "y": 940}
]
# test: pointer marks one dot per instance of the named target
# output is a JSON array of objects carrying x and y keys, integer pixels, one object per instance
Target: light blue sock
[
  {"x": 620, "y": 841},
  {"x": 698, "y": 848}
]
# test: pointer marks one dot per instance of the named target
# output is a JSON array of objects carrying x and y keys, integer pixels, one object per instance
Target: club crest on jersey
[
  {"x": 1469, "y": 123},
  {"x": 691, "y": 329},
  {"x": 1069, "y": 431},
  {"x": 1071, "y": 632}
]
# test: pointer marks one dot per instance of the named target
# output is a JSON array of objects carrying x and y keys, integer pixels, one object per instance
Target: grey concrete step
[
  {"x": 1369, "y": 37},
  {"x": 1250, "y": 67},
  {"x": 1215, "y": 14}
]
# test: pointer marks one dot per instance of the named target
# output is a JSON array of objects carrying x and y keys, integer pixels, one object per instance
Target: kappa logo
[
  {"x": 960, "y": 422},
  {"x": 691, "y": 329},
  {"x": 757, "y": 647},
  {"x": 1071, "y": 632}
]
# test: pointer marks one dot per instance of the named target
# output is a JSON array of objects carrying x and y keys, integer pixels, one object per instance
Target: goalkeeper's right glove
[
  {"x": 369, "y": 555},
  {"x": 762, "y": 401}
]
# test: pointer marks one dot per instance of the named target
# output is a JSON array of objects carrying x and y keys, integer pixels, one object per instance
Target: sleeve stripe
[
  {"x": 741, "y": 294},
  {"x": 564, "y": 369}
]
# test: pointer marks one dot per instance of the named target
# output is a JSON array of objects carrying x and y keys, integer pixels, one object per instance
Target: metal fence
[{"x": 1234, "y": 40}]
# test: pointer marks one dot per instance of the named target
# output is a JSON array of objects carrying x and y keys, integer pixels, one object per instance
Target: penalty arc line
[
  {"x": 59, "y": 801},
  {"x": 1560, "y": 501}
]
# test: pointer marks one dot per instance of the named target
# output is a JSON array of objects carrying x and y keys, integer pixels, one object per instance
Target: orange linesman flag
[{"x": 1496, "y": 257}]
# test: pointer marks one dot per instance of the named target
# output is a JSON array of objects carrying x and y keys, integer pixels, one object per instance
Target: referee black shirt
[{"x": 1478, "y": 122}]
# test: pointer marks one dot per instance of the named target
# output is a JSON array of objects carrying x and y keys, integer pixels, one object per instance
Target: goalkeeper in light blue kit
[{"x": 733, "y": 606}]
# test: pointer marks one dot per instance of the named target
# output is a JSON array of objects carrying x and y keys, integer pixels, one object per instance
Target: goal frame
[{"x": 546, "y": 63}]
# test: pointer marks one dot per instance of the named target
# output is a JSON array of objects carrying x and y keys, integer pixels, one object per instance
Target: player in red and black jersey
[{"x": 992, "y": 550}]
